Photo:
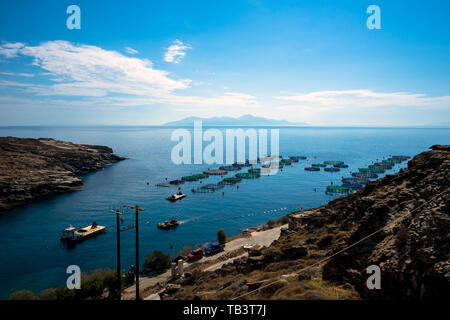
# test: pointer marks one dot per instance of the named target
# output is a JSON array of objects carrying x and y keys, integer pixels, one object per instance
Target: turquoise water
[{"x": 26, "y": 231}]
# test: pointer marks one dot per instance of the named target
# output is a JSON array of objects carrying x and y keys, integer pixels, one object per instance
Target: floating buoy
[
  {"x": 223, "y": 193},
  {"x": 315, "y": 189},
  {"x": 147, "y": 183},
  {"x": 237, "y": 186},
  {"x": 46, "y": 248},
  {"x": 121, "y": 219}
]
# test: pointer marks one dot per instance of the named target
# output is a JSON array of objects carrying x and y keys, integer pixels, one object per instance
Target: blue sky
[{"x": 150, "y": 62}]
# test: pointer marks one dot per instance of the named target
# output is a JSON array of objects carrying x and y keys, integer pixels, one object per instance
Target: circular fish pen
[
  {"x": 333, "y": 162},
  {"x": 384, "y": 165},
  {"x": 318, "y": 165},
  {"x": 230, "y": 168},
  {"x": 285, "y": 162},
  {"x": 231, "y": 180},
  {"x": 215, "y": 172},
  {"x": 332, "y": 169},
  {"x": 373, "y": 170},
  {"x": 297, "y": 158},
  {"x": 254, "y": 170},
  {"x": 207, "y": 188},
  {"x": 337, "y": 189},
  {"x": 341, "y": 166},
  {"x": 352, "y": 185},
  {"x": 401, "y": 158},
  {"x": 247, "y": 175},
  {"x": 312, "y": 169},
  {"x": 366, "y": 175},
  {"x": 195, "y": 177},
  {"x": 176, "y": 182},
  {"x": 273, "y": 166},
  {"x": 355, "y": 180},
  {"x": 392, "y": 161}
]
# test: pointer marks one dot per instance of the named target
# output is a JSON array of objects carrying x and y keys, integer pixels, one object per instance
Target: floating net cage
[
  {"x": 176, "y": 182},
  {"x": 273, "y": 166},
  {"x": 337, "y": 189},
  {"x": 355, "y": 180},
  {"x": 195, "y": 177},
  {"x": 215, "y": 172},
  {"x": 247, "y": 175},
  {"x": 207, "y": 188},
  {"x": 366, "y": 175},
  {"x": 401, "y": 158},
  {"x": 382, "y": 165},
  {"x": 242, "y": 164},
  {"x": 230, "y": 168},
  {"x": 352, "y": 185},
  {"x": 254, "y": 170},
  {"x": 312, "y": 169},
  {"x": 374, "y": 170},
  {"x": 163, "y": 184},
  {"x": 394, "y": 161},
  {"x": 231, "y": 180},
  {"x": 333, "y": 162},
  {"x": 285, "y": 162},
  {"x": 318, "y": 165},
  {"x": 341, "y": 166},
  {"x": 297, "y": 158},
  {"x": 332, "y": 169}
]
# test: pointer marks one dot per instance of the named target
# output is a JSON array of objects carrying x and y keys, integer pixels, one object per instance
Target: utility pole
[
  {"x": 137, "y": 208},
  {"x": 119, "y": 278}
]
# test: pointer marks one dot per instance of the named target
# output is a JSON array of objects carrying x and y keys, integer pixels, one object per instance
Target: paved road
[{"x": 262, "y": 238}]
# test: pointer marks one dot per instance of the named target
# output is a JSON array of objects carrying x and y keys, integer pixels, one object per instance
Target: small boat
[
  {"x": 72, "y": 235},
  {"x": 173, "y": 223},
  {"x": 176, "y": 196}
]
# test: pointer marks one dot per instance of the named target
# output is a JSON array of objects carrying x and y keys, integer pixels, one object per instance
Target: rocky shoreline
[{"x": 33, "y": 169}]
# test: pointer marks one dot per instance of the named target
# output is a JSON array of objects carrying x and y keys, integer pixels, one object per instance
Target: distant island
[{"x": 243, "y": 121}]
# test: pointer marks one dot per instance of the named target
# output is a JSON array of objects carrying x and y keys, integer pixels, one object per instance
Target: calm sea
[{"x": 26, "y": 232}]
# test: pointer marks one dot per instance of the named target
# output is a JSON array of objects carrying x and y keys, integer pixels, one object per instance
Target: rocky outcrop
[{"x": 32, "y": 169}]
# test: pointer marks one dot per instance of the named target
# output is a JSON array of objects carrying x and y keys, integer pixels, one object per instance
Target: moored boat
[{"x": 72, "y": 235}]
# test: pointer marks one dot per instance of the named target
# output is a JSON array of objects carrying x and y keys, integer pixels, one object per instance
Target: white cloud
[
  {"x": 103, "y": 77},
  {"x": 131, "y": 50},
  {"x": 10, "y": 50},
  {"x": 28, "y": 75},
  {"x": 340, "y": 99},
  {"x": 176, "y": 52}
]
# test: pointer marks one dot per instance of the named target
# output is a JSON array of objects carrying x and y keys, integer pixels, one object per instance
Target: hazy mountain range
[{"x": 243, "y": 121}]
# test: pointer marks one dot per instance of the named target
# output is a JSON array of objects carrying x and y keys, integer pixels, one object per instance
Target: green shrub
[
  {"x": 23, "y": 295},
  {"x": 270, "y": 223},
  {"x": 221, "y": 236},
  {"x": 157, "y": 261}
]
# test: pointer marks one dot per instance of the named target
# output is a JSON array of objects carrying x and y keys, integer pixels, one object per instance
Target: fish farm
[
  {"x": 195, "y": 177},
  {"x": 230, "y": 168},
  {"x": 216, "y": 172},
  {"x": 230, "y": 180},
  {"x": 349, "y": 184},
  {"x": 333, "y": 162},
  {"x": 247, "y": 175},
  {"x": 208, "y": 188},
  {"x": 367, "y": 175}
]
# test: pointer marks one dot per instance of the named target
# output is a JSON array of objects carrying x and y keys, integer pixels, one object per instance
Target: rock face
[
  {"x": 32, "y": 169},
  {"x": 410, "y": 213},
  {"x": 401, "y": 223}
]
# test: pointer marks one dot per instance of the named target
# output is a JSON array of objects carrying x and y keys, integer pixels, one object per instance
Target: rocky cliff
[
  {"x": 399, "y": 223},
  {"x": 32, "y": 169}
]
